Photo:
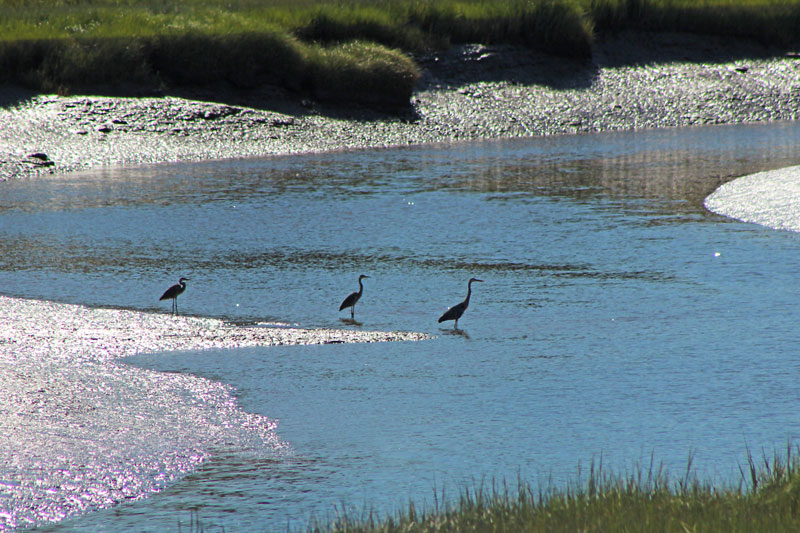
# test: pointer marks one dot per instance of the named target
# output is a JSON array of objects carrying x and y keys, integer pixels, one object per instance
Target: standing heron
[
  {"x": 173, "y": 292},
  {"x": 455, "y": 312},
  {"x": 351, "y": 300}
]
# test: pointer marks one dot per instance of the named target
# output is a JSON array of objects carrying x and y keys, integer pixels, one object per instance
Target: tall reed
[{"x": 767, "y": 498}]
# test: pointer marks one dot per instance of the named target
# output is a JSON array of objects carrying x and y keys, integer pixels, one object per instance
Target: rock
[
  {"x": 282, "y": 122},
  {"x": 39, "y": 159}
]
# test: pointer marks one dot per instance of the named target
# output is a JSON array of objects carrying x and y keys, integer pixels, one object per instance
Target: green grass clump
[
  {"x": 338, "y": 24},
  {"x": 557, "y": 26},
  {"x": 243, "y": 59},
  {"x": 650, "y": 502},
  {"x": 378, "y": 74}
]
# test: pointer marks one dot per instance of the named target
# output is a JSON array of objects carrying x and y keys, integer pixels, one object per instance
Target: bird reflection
[{"x": 457, "y": 332}]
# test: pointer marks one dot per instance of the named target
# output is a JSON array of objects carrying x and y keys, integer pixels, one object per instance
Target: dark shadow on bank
[
  {"x": 631, "y": 48},
  {"x": 457, "y": 67}
]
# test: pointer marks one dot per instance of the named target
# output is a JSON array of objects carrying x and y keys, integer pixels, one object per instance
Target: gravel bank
[{"x": 635, "y": 81}]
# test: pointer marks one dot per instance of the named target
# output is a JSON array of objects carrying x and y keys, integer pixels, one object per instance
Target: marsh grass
[
  {"x": 350, "y": 50},
  {"x": 767, "y": 498}
]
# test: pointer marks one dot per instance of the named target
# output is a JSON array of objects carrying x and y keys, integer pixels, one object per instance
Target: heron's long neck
[
  {"x": 360, "y": 287},
  {"x": 469, "y": 293}
]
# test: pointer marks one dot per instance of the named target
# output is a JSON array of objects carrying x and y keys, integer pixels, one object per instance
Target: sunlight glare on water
[{"x": 81, "y": 432}]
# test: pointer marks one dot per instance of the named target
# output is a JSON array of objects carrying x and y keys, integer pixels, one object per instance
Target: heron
[
  {"x": 173, "y": 292},
  {"x": 455, "y": 312},
  {"x": 351, "y": 300}
]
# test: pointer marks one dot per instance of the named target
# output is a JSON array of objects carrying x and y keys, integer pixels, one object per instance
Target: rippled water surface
[{"x": 617, "y": 318}]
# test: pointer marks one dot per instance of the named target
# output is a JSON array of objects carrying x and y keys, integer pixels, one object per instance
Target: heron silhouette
[
  {"x": 173, "y": 292},
  {"x": 351, "y": 300},
  {"x": 455, "y": 312}
]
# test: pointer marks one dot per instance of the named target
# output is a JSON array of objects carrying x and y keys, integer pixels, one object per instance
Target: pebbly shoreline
[{"x": 635, "y": 81}]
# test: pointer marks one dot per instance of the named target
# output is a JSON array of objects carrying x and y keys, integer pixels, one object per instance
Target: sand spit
[
  {"x": 77, "y": 333},
  {"x": 79, "y": 431},
  {"x": 770, "y": 198}
]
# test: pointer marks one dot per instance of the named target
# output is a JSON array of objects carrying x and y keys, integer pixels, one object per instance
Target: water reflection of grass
[
  {"x": 767, "y": 499},
  {"x": 354, "y": 50}
]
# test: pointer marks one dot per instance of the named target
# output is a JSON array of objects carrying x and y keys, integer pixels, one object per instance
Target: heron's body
[
  {"x": 173, "y": 292},
  {"x": 353, "y": 299},
  {"x": 455, "y": 312}
]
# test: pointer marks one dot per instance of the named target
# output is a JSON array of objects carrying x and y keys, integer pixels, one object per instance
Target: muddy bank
[{"x": 635, "y": 81}]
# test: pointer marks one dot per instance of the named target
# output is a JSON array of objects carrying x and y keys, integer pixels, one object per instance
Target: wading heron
[
  {"x": 173, "y": 292},
  {"x": 455, "y": 312},
  {"x": 351, "y": 300}
]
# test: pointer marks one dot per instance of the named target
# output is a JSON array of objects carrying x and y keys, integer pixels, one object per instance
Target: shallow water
[{"x": 618, "y": 318}]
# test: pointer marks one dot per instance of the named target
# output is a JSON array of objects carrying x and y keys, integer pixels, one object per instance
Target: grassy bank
[
  {"x": 352, "y": 50},
  {"x": 767, "y": 499}
]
